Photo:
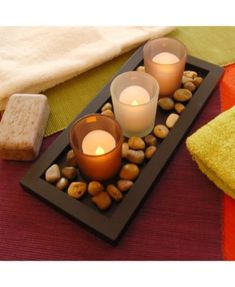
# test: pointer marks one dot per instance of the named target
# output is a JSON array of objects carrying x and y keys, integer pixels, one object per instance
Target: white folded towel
[{"x": 34, "y": 59}]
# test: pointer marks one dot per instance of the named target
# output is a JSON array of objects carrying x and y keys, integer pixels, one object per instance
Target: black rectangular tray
[{"x": 111, "y": 224}]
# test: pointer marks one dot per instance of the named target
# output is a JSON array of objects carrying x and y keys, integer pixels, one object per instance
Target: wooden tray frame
[{"x": 111, "y": 228}]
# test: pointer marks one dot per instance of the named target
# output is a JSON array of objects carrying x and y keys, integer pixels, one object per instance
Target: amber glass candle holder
[
  {"x": 103, "y": 165},
  {"x": 168, "y": 69}
]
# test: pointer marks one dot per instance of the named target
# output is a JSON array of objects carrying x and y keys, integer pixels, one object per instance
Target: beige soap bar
[{"x": 22, "y": 126}]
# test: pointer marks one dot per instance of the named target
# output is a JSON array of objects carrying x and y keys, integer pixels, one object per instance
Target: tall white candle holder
[{"x": 134, "y": 96}]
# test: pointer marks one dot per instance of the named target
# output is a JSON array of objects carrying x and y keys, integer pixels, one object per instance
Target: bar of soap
[{"x": 22, "y": 126}]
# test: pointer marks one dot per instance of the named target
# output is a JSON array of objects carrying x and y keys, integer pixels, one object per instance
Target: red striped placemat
[
  {"x": 227, "y": 94},
  {"x": 180, "y": 220}
]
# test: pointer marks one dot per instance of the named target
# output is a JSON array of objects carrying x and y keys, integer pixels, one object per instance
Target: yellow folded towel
[{"x": 213, "y": 148}]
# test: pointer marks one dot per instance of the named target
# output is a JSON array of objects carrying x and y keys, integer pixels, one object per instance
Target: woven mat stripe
[
  {"x": 227, "y": 93},
  {"x": 213, "y": 44}
]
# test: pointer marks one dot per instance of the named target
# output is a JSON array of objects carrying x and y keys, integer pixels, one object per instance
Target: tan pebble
[
  {"x": 77, "y": 189},
  {"x": 182, "y": 95},
  {"x": 129, "y": 171},
  {"x": 179, "y": 108},
  {"x": 186, "y": 80},
  {"x": 94, "y": 187},
  {"x": 125, "y": 148},
  {"x": 108, "y": 113},
  {"x": 166, "y": 104},
  {"x": 190, "y": 74},
  {"x": 150, "y": 140},
  {"x": 102, "y": 200},
  {"x": 136, "y": 143},
  {"x": 135, "y": 156},
  {"x": 114, "y": 192},
  {"x": 161, "y": 131},
  {"x": 140, "y": 69},
  {"x": 71, "y": 158},
  {"x": 124, "y": 185},
  {"x": 69, "y": 172},
  {"x": 106, "y": 107},
  {"x": 190, "y": 86},
  {"x": 62, "y": 183},
  {"x": 197, "y": 81},
  {"x": 53, "y": 173},
  {"x": 149, "y": 152},
  {"x": 171, "y": 120}
]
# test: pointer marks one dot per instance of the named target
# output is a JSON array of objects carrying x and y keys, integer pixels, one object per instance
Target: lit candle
[
  {"x": 98, "y": 142},
  {"x": 134, "y": 97},
  {"x": 164, "y": 59}
]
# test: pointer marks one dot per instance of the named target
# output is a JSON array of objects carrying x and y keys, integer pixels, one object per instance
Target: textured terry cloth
[
  {"x": 212, "y": 44},
  {"x": 33, "y": 59},
  {"x": 227, "y": 95},
  {"x": 213, "y": 148},
  {"x": 180, "y": 219}
]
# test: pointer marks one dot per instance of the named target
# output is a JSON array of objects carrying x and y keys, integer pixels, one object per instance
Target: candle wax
[
  {"x": 134, "y": 95},
  {"x": 98, "y": 142},
  {"x": 165, "y": 58}
]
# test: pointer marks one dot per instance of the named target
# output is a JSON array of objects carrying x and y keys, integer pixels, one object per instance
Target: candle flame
[
  {"x": 99, "y": 150},
  {"x": 135, "y": 103}
]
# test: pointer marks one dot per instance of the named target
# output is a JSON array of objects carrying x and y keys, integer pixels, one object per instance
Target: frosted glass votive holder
[
  {"x": 134, "y": 96},
  {"x": 168, "y": 68}
]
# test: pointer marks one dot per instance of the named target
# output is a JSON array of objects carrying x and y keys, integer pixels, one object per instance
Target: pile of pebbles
[{"x": 135, "y": 151}]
